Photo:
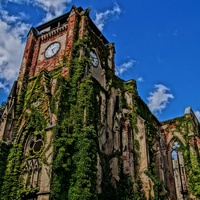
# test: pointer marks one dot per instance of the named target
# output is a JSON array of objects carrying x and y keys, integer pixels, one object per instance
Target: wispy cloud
[
  {"x": 140, "y": 79},
  {"x": 124, "y": 67},
  {"x": 12, "y": 31},
  {"x": 159, "y": 98},
  {"x": 102, "y": 17},
  {"x": 114, "y": 35},
  {"x": 4, "y": 88},
  {"x": 52, "y": 8},
  {"x": 8, "y": 18}
]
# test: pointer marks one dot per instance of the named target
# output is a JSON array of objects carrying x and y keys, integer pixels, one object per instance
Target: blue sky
[{"x": 157, "y": 44}]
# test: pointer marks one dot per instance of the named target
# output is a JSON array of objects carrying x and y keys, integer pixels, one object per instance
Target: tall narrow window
[
  {"x": 179, "y": 171},
  {"x": 117, "y": 104},
  {"x": 32, "y": 150}
]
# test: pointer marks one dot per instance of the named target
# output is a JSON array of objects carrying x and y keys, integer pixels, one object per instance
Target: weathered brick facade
[{"x": 77, "y": 131}]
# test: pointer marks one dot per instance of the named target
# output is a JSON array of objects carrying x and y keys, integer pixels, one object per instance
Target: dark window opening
[
  {"x": 37, "y": 146},
  {"x": 107, "y": 135},
  {"x": 117, "y": 107}
]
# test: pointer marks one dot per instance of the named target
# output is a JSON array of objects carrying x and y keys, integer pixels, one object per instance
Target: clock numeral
[{"x": 52, "y": 50}]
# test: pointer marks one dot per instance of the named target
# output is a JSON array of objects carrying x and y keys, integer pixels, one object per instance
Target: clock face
[
  {"x": 94, "y": 57},
  {"x": 52, "y": 50}
]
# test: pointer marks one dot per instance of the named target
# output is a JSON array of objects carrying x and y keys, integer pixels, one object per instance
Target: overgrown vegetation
[
  {"x": 186, "y": 127},
  {"x": 4, "y": 151},
  {"x": 2, "y": 107},
  {"x": 75, "y": 137}
]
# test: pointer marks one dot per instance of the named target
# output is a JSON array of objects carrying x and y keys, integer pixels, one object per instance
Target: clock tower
[
  {"x": 53, "y": 41},
  {"x": 72, "y": 129},
  {"x": 52, "y": 101}
]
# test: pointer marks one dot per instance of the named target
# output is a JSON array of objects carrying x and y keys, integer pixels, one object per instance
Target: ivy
[
  {"x": 194, "y": 179},
  {"x": 75, "y": 134},
  {"x": 12, "y": 184},
  {"x": 185, "y": 126},
  {"x": 75, "y": 140},
  {"x": 4, "y": 152},
  {"x": 2, "y": 107},
  {"x": 158, "y": 184},
  {"x": 12, "y": 188}
]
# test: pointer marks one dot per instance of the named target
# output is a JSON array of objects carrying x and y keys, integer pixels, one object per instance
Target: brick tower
[{"x": 72, "y": 129}]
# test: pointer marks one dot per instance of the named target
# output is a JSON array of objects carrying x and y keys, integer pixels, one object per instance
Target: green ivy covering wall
[
  {"x": 75, "y": 137},
  {"x": 186, "y": 127},
  {"x": 4, "y": 151}
]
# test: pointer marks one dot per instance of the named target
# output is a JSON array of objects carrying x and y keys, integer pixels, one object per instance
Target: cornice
[{"x": 53, "y": 32}]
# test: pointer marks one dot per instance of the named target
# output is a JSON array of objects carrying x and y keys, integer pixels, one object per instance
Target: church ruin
[{"x": 72, "y": 129}]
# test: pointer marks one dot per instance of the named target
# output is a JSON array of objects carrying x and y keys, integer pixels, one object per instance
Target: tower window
[{"x": 117, "y": 104}]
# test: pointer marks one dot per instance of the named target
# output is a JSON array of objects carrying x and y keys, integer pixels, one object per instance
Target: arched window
[
  {"x": 32, "y": 150},
  {"x": 179, "y": 171}
]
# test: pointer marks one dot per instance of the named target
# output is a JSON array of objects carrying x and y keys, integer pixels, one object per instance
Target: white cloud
[
  {"x": 197, "y": 113},
  {"x": 114, "y": 35},
  {"x": 4, "y": 87},
  {"x": 124, "y": 67},
  {"x": 12, "y": 40},
  {"x": 52, "y": 8},
  {"x": 16, "y": 1},
  {"x": 159, "y": 98},
  {"x": 100, "y": 18},
  {"x": 12, "y": 32},
  {"x": 140, "y": 79},
  {"x": 8, "y": 18}
]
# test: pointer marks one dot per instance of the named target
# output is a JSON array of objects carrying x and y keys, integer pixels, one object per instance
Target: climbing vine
[
  {"x": 70, "y": 110},
  {"x": 75, "y": 140},
  {"x": 4, "y": 151},
  {"x": 186, "y": 128}
]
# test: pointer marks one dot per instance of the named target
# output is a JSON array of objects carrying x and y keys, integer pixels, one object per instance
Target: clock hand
[{"x": 55, "y": 48}]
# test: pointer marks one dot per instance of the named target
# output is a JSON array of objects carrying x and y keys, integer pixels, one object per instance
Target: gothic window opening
[
  {"x": 179, "y": 171},
  {"x": 33, "y": 148},
  {"x": 117, "y": 104}
]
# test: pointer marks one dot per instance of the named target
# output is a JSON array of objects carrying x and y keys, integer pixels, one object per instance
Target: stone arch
[
  {"x": 176, "y": 137},
  {"x": 32, "y": 142},
  {"x": 33, "y": 145},
  {"x": 178, "y": 167}
]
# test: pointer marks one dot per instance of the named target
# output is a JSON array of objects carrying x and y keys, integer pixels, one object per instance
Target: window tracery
[
  {"x": 33, "y": 148},
  {"x": 179, "y": 171}
]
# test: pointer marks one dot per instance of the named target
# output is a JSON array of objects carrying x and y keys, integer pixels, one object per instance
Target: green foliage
[
  {"x": 184, "y": 125},
  {"x": 158, "y": 184},
  {"x": 108, "y": 190},
  {"x": 4, "y": 151},
  {"x": 11, "y": 188},
  {"x": 194, "y": 179},
  {"x": 75, "y": 140},
  {"x": 83, "y": 181},
  {"x": 12, "y": 184},
  {"x": 2, "y": 106},
  {"x": 124, "y": 189}
]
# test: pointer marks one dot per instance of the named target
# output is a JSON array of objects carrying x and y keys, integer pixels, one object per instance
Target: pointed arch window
[
  {"x": 179, "y": 171},
  {"x": 32, "y": 150}
]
